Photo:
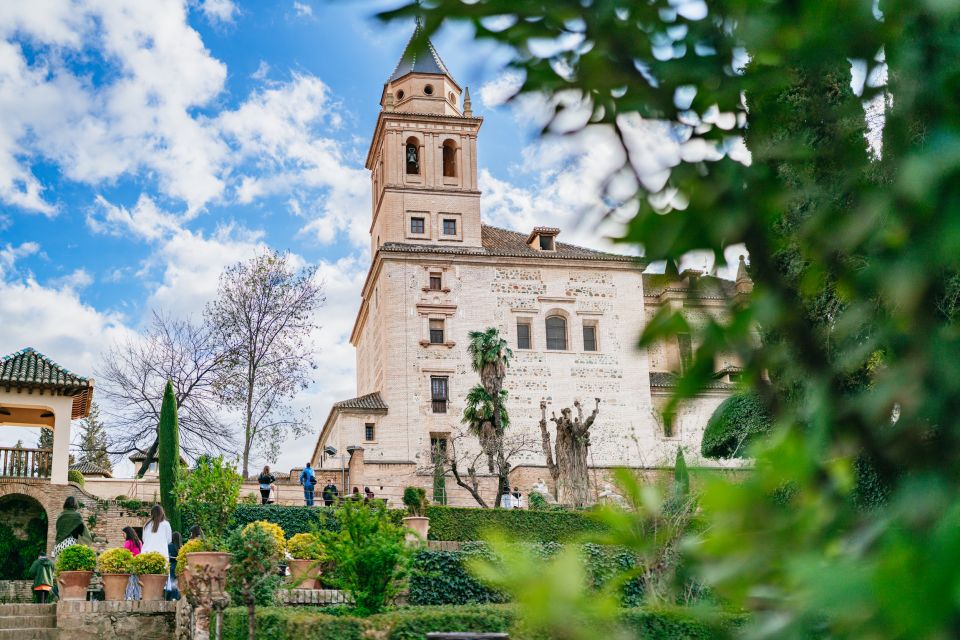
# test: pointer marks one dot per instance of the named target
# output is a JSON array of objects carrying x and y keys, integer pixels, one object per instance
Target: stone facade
[
  {"x": 102, "y": 620},
  {"x": 438, "y": 273}
]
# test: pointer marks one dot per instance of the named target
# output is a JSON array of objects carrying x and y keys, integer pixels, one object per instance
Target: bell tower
[{"x": 423, "y": 156}]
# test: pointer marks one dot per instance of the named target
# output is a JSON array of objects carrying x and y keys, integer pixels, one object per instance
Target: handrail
[{"x": 25, "y": 463}]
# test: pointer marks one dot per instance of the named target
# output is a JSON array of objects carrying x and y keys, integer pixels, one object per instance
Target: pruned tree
[
  {"x": 132, "y": 377},
  {"x": 568, "y": 460},
  {"x": 169, "y": 456},
  {"x": 263, "y": 317},
  {"x": 92, "y": 441}
]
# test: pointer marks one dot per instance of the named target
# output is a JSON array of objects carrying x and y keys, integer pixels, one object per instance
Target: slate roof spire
[{"x": 419, "y": 56}]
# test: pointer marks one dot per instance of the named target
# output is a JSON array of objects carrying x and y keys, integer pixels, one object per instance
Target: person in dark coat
[{"x": 330, "y": 493}]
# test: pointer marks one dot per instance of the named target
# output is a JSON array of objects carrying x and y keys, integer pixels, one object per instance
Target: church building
[{"x": 571, "y": 315}]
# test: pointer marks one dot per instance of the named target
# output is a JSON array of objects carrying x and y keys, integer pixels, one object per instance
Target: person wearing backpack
[{"x": 309, "y": 481}]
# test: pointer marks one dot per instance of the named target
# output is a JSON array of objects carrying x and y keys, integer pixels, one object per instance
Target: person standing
[
  {"x": 266, "y": 481},
  {"x": 172, "y": 589},
  {"x": 132, "y": 544},
  {"x": 42, "y": 573},
  {"x": 330, "y": 493},
  {"x": 157, "y": 534},
  {"x": 70, "y": 527},
  {"x": 309, "y": 481},
  {"x": 367, "y": 494}
]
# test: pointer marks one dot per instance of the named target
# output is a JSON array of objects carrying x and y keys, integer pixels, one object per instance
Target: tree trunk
[
  {"x": 572, "y": 445},
  {"x": 251, "y": 621}
]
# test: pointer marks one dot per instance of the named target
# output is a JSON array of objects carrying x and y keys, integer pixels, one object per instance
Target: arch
[
  {"x": 412, "y": 156},
  {"x": 556, "y": 328},
  {"x": 449, "y": 159},
  {"x": 24, "y": 530}
]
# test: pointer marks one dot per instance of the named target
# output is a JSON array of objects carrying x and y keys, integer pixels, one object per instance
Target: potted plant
[
  {"x": 306, "y": 551},
  {"x": 115, "y": 569},
  {"x": 415, "y": 499},
  {"x": 205, "y": 568},
  {"x": 151, "y": 568},
  {"x": 75, "y": 566},
  {"x": 190, "y": 546}
]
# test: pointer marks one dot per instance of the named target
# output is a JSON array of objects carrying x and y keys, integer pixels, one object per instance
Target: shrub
[
  {"x": 190, "y": 546},
  {"x": 415, "y": 499},
  {"x": 734, "y": 426},
  {"x": 369, "y": 553},
  {"x": 296, "y": 519},
  {"x": 75, "y": 476},
  {"x": 252, "y": 578},
  {"x": 441, "y": 577},
  {"x": 305, "y": 546},
  {"x": 461, "y": 524},
  {"x": 116, "y": 561},
  {"x": 150, "y": 564},
  {"x": 275, "y": 530},
  {"x": 209, "y": 493},
  {"x": 77, "y": 557}
]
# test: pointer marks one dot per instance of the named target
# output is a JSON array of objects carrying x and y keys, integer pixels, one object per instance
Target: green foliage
[
  {"x": 296, "y": 519},
  {"x": 681, "y": 476},
  {"x": 209, "y": 493},
  {"x": 118, "y": 560},
  {"x": 415, "y": 499},
  {"x": 537, "y": 501},
  {"x": 16, "y": 554},
  {"x": 150, "y": 563},
  {"x": 75, "y": 476},
  {"x": 77, "y": 557},
  {"x": 252, "y": 577},
  {"x": 168, "y": 456},
  {"x": 369, "y": 554},
  {"x": 275, "y": 530},
  {"x": 734, "y": 426},
  {"x": 92, "y": 438},
  {"x": 465, "y": 525},
  {"x": 306, "y": 546},
  {"x": 190, "y": 546}
]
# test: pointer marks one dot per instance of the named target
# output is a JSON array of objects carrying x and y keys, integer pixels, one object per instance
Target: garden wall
[
  {"x": 16, "y": 591},
  {"x": 80, "y": 620}
]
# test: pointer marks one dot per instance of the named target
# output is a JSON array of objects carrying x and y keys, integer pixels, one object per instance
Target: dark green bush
[
  {"x": 452, "y": 523},
  {"x": 75, "y": 476},
  {"x": 293, "y": 520},
  {"x": 413, "y": 623},
  {"x": 734, "y": 426}
]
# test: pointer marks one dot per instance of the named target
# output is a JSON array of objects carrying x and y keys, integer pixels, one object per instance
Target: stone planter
[
  {"x": 115, "y": 585},
  {"x": 73, "y": 584},
  {"x": 152, "y": 585},
  {"x": 419, "y": 526},
  {"x": 206, "y": 571},
  {"x": 305, "y": 574}
]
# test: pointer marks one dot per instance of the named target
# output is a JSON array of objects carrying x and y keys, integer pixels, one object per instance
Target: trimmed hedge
[
  {"x": 464, "y": 525},
  {"x": 292, "y": 519},
  {"x": 739, "y": 421},
  {"x": 413, "y": 623}
]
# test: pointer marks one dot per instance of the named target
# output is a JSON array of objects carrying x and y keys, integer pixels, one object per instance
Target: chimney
[{"x": 744, "y": 283}]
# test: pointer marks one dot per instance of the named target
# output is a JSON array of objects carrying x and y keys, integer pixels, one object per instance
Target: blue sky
[{"x": 146, "y": 145}]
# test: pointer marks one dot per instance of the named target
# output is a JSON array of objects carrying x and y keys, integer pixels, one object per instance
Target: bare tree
[
  {"x": 132, "y": 377},
  {"x": 263, "y": 317},
  {"x": 568, "y": 466},
  {"x": 462, "y": 458}
]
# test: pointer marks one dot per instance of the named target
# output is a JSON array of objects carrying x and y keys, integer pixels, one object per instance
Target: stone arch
[
  {"x": 411, "y": 155},
  {"x": 449, "y": 153},
  {"x": 25, "y": 519}
]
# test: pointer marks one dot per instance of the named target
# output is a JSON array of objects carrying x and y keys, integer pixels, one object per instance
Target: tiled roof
[
  {"x": 419, "y": 56},
  {"x": 90, "y": 469},
  {"x": 30, "y": 368},
  {"x": 665, "y": 380},
  {"x": 503, "y": 242},
  {"x": 372, "y": 401}
]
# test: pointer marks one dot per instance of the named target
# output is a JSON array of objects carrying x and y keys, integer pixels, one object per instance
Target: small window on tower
[
  {"x": 400, "y": 94},
  {"x": 546, "y": 243},
  {"x": 418, "y": 225},
  {"x": 413, "y": 157},
  {"x": 449, "y": 159},
  {"x": 449, "y": 227},
  {"x": 436, "y": 332},
  {"x": 370, "y": 432},
  {"x": 436, "y": 282},
  {"x": 428, "y": 89}
]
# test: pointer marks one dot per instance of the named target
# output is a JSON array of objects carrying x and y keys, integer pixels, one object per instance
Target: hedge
[
  {"x": 740, "y": 420},
  {"x": 292, "y": 519},
  {"x": 463, "y": 524},
  {"x": 413, "y": 623}
]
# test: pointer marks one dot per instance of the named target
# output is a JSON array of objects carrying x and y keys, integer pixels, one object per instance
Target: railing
[
  {"x": 439, "y": 406},
  {"x": 25, "y": 463}
]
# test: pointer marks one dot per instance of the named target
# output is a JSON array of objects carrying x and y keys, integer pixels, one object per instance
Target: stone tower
[{"x": 423, "y": 156}]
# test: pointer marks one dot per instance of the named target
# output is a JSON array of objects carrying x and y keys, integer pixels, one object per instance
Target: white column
[{"x": 61, "y": 445}]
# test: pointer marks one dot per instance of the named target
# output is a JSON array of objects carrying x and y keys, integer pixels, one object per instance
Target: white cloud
[
  {"x": 74, "y": 281},
  {"x": 263, "y": 70},
  {"x": 145, "y": 221},
  {"x": 218, "y": 11},
  {"x": 496, "y": 92},
  {"x": 302, "y": 9}
]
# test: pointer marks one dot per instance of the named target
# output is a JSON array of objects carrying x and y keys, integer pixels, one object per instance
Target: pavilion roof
[{"x": 29, "y": 369}]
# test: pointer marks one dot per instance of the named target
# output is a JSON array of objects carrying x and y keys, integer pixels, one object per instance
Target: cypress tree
[
  {"x": 681, "y": 476},
  {"x": 169, "y": 456}
]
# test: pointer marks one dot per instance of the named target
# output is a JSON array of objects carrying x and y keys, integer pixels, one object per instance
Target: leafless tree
[
  {"x": 568, "y": 466},
  {"x": 263, "y": 318},
  {"x": 131, "y": 379}
]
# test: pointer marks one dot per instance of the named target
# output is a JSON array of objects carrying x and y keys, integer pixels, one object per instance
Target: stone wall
[
  {"x": 80, "y": 620},
  {"x": 16, "y": 591}
]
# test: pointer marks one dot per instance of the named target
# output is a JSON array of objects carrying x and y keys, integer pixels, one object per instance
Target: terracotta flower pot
[
  {"x": 114, "y": 585},
  {"x": 200, "y": 563},
  {"x": 305, "y": 574},
  {"x": 419, "y": 525},
  {"x": 73, "y": 584},
  {"x": 152, "y": 585}
]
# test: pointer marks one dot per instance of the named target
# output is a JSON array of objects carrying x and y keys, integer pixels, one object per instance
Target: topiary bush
[
  {"x": 465, "y": 525},
  {"x": 305, "y": 546},
  {"x": 76, "y": 557},
  {"x": 734, "y": 426},
  {"x": 75, "y": 476},
  {"x": 415, "y": 499},
  {"x": 275, "y": 530},
  {"x": 151, "y": 563},
  {"x": 115, "y": 561}
]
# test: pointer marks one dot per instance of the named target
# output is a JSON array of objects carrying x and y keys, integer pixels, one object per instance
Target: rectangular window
[
  {"x": 589, "y": 337},
  {"x": 546, "y": 243},
  {"x": 523, "y": 335},
  {"x": 436, "y": 332},
  {"x": 436, "y": 282},
  {"x": 686, "y": 350},
  {"x": 438, "y": 394},
  {"x": 417, "y": 225},
  {"x": 369, "y": 432},
  {"x": 449, "y": 227}
]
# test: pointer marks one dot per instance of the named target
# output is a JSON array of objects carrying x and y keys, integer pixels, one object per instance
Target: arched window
[
  {"x": 557, "y": 333},
  {"x": 413, "y": 156},
  {"x": 449, "y": 159}
]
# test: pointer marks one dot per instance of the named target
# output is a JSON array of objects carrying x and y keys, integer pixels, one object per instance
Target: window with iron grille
[
  {"x": 436, "y": 332},
  {"x": 449, "y": 227},
  {"x": 523, "y": 335},
  {"x": 686, "y": 350},
  {"x": 589, "y": 337},
  {"x": 438, "y": 394},
  {"x": 436, "y": 282},
  {"x": 556, "y": 333},
  {"x": 417, "y": 225},
  {"x": 369, "y": 432}
]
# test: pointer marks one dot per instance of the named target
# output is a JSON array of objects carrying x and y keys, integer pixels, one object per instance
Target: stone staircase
[{"x": 28, "y": 622}]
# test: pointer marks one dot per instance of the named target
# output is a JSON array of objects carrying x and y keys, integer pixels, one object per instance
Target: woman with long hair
[
  {"x": 131, "y": 543},
  {"x": 266, "y": 480},
  {"x": 157, "y": 534}
]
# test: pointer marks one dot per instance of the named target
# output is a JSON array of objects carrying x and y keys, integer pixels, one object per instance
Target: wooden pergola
[{"x": 37, "y": 392}]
